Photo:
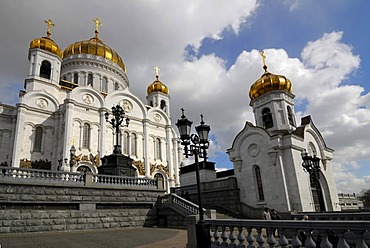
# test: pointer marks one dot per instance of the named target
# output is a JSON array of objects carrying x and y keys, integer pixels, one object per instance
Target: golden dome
[
  {"x": 269, "y": 82},
  {"x": 157, "y": 86},
  {"x": 46, "y": 43},
  {"x": 96, "y": 47}
]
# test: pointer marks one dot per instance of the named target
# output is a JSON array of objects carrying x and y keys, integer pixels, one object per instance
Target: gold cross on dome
[
  {"x": 97, "y": 24},
  {"x": 264, "y": 60},
  {"x": 156, "y": 68},
  {"x": 50, "y": 23}
]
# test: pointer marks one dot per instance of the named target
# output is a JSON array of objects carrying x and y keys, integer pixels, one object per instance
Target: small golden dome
[
  {"x": 269, "y": 82},
  {"x": 46, "y": 43},
  {"x": 96, "y": 47},
  {"x": 157, "y": 86}
]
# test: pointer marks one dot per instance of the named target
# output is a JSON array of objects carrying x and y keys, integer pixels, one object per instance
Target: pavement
[{"x": 101, "y": 238}]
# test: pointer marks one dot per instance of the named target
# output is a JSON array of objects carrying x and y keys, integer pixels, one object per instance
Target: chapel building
[
  {"x": 63, "y": 104},
  {"x": 267, "y": 156}
]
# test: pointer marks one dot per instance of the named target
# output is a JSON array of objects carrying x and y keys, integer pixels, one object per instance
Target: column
[
  {"x": 146, "y": 148},
  {"x": 168, "y": 153},
  {"x": 103, "y": 131},
  {"x": 18, "y": 138},
  {"x": 283, "y": 178},
  {"x": 176, "y": 160},
  {"x": 67, "y": 126},
  {"x": 81, "y": 137}
]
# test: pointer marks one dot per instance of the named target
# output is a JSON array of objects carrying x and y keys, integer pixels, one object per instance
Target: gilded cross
[
  {"x": 156, "y": 68},
  {"x": 263, "y": 57},
  {"x": 50, "y": 23},
  {"x": 97, "y": 24}
]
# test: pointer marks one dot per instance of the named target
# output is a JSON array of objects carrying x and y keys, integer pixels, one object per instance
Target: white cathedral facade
[
  {"x": 267, "y": 156},
  {"x": 63, "y": 104}
]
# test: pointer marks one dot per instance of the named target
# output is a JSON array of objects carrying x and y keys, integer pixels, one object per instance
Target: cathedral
[
  {"x": 267, "y": 156},
  {"x": 63, "y": 105}
]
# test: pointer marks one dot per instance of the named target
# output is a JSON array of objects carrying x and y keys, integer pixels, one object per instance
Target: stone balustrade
[
  {"x": 46, "y": 177},
  {"x": 174, "y": 199},
  {"x": 292, "y": 233}
]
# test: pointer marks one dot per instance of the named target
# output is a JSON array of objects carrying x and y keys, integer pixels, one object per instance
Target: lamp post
[
  {"x": 116, "y": 122},
  {"x": 196, "y": 145},
  {"x": 311, "y": 164}
]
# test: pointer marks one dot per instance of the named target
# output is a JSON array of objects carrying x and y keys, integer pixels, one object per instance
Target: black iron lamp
[
  {"x": 116, "y": 122},
  {"x": 311, "y": 165},
  {"x": 196, "y": 145}
]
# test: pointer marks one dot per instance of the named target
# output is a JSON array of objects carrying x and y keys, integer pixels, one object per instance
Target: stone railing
[
  {"x": 46, "y": 177},
  {"x": 292, "y": 233},
  {"x": 344, "y": 216},
  {"x": 174, "y": 199}
]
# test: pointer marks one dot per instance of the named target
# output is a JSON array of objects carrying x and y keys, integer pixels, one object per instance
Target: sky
[{"x": 208, "y": 54}]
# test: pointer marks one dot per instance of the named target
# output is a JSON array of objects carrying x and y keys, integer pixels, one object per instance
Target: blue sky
[{"x": 208, "y": 52}]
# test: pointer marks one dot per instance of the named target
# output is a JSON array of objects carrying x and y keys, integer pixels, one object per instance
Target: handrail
[{"x": 174, "y": 199}]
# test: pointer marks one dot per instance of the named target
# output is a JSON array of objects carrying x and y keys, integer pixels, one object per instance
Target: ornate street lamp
[
  {"x": 311, "y": 165},
  {"x": 116, "y": 122},
  {"x": 196, "y": 145}
]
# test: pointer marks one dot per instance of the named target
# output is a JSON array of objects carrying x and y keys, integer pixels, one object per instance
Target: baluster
[
  {"x": 224, "y": 237},
  {"x": 283, "y": 242},
  {"x": 260, "y": 238},
  {"x": 232, "y": 238},
  {"x": 241, "y": 237},
  {"x": 324, "y": 239},
  {"x": 270, "y": 237},
  {"x": 250, "y": 238},
  {"x": 296, "y": 242},
  {"x": 342, "y": 243},
  {"x": 360, "y": 243},
  {"x": 309, "y": 241},
  {"x": 216, "y": 237}
]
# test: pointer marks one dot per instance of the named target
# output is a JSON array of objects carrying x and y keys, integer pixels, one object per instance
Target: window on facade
[
  {"x": 65, "y": 78},
  {"x": 163, "y": 104},
  {"x": 45, "y": 69},
  {"x": 291, "y": 116},
  {"x": 86, "y": 136},
  {"x": 158, "y": 150},
  {"x": 75, "y": 78},
  {"x": 90, "y": 79},
  {"x": 125, "y": 143},
  {"x": 104, "y": 85},
  {"x": 257, "y": 172},
  {"x": 267, "y": 118},
  {"x": 116, "y": 86},
  {"x": 38, "y": 139},
  {"x": 133, "y": 145}
]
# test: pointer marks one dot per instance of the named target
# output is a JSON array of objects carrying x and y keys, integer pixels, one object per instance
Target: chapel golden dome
[
  {"x": 46, "y": 43},
  {"x": 157, "y": 86},
  {"x": 269, "y": 82},
  {"x": 95, "y": 46}
]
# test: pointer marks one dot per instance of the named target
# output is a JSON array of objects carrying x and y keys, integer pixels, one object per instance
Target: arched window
[
  {"x": 158, "y": 149},
  {"x": 86, "y": 136},
  {"x": 75, "y": 78},
  {"x": 90, "y": 79},
  {"x": 257, "y": 173},
  {"x": 38, "y": 139},
  {"x": 125, "y": 147},
  {"x": 45, "y": 69},
  {"x": 160, "y": 181},
  {"x": 116, "y": 86},
  {"x": 65, "y": 78},
  {"x": 291, "y": 116},
  {"x": 163, "y": 105},
  {"x": 104, "y": 84},
  {"x": 133, "y": 145},
  {"x": 267, "y": 118}
]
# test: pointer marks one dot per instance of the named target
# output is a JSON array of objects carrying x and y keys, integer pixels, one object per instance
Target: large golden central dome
[
  {"x": 269, "y": 82},
  {"x": 95, "y": 46}
]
